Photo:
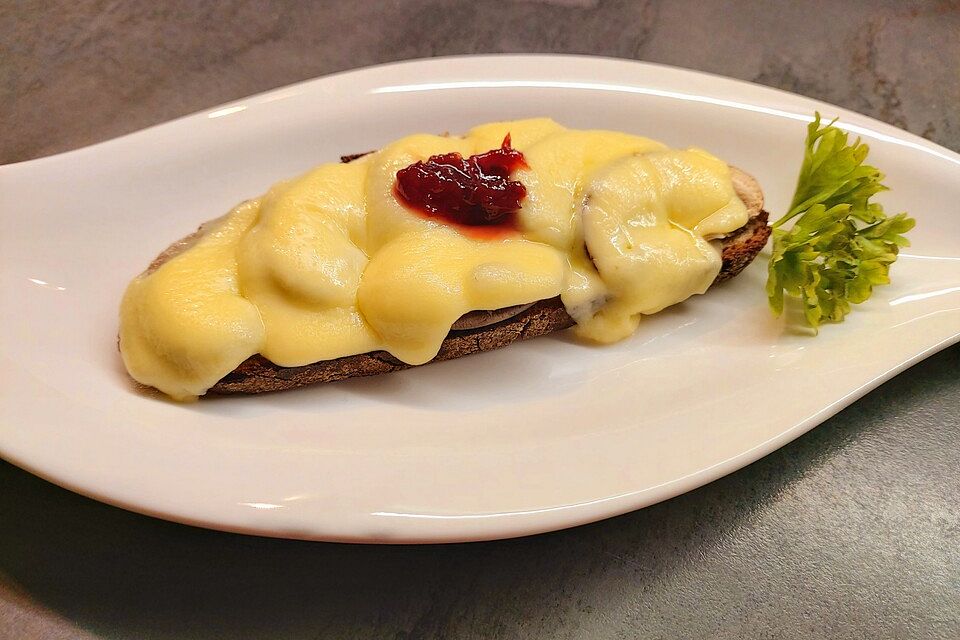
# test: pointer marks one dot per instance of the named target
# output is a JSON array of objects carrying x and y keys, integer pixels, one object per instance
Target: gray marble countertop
[{"x": 852, "y": 531}]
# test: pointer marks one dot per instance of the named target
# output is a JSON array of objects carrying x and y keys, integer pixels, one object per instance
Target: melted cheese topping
[{"x": 331, "y": 264}]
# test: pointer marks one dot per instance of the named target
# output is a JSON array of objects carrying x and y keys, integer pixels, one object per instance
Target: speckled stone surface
[{"x": 852, "y": 531}]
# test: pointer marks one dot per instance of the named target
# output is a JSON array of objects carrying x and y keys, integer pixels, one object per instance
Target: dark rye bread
[{"x": 477, "y": 331}]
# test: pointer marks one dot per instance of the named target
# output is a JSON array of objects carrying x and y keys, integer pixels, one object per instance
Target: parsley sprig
[{"x": 841, "y": 244}]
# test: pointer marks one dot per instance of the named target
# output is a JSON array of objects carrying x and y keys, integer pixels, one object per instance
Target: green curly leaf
[{"x": 841, "y": 245}]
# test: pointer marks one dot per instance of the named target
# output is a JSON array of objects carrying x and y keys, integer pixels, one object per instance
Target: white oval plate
[{"x": 538, "y": 436}]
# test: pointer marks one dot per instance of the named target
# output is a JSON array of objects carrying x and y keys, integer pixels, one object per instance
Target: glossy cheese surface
[{"x": 331, "y": 264}]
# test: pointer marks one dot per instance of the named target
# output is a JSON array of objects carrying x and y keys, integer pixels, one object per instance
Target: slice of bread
[{"x": 478, "y": 330}]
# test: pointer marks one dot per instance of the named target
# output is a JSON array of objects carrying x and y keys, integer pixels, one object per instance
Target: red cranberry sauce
[{"x": 474, "y": 191}]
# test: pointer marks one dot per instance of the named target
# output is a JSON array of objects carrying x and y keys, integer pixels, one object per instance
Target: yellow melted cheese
[{"x": 330, "y": 264}]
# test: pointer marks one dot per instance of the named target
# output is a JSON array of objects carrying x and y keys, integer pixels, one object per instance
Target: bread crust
[
  {"x": 257, "y": 374},
  {"x": 476, "y": 331}
]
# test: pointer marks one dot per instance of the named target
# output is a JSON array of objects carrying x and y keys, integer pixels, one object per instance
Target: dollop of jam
[{"x": 473, "y": 192}]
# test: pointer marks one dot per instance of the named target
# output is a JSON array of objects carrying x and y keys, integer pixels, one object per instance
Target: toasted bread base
[
  {"x": 258, "y": 375},
  {"x": 476, "y": 331}
]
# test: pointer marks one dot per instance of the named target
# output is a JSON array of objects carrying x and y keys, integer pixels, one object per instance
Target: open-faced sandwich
[{"x": 436, "y": 247}]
